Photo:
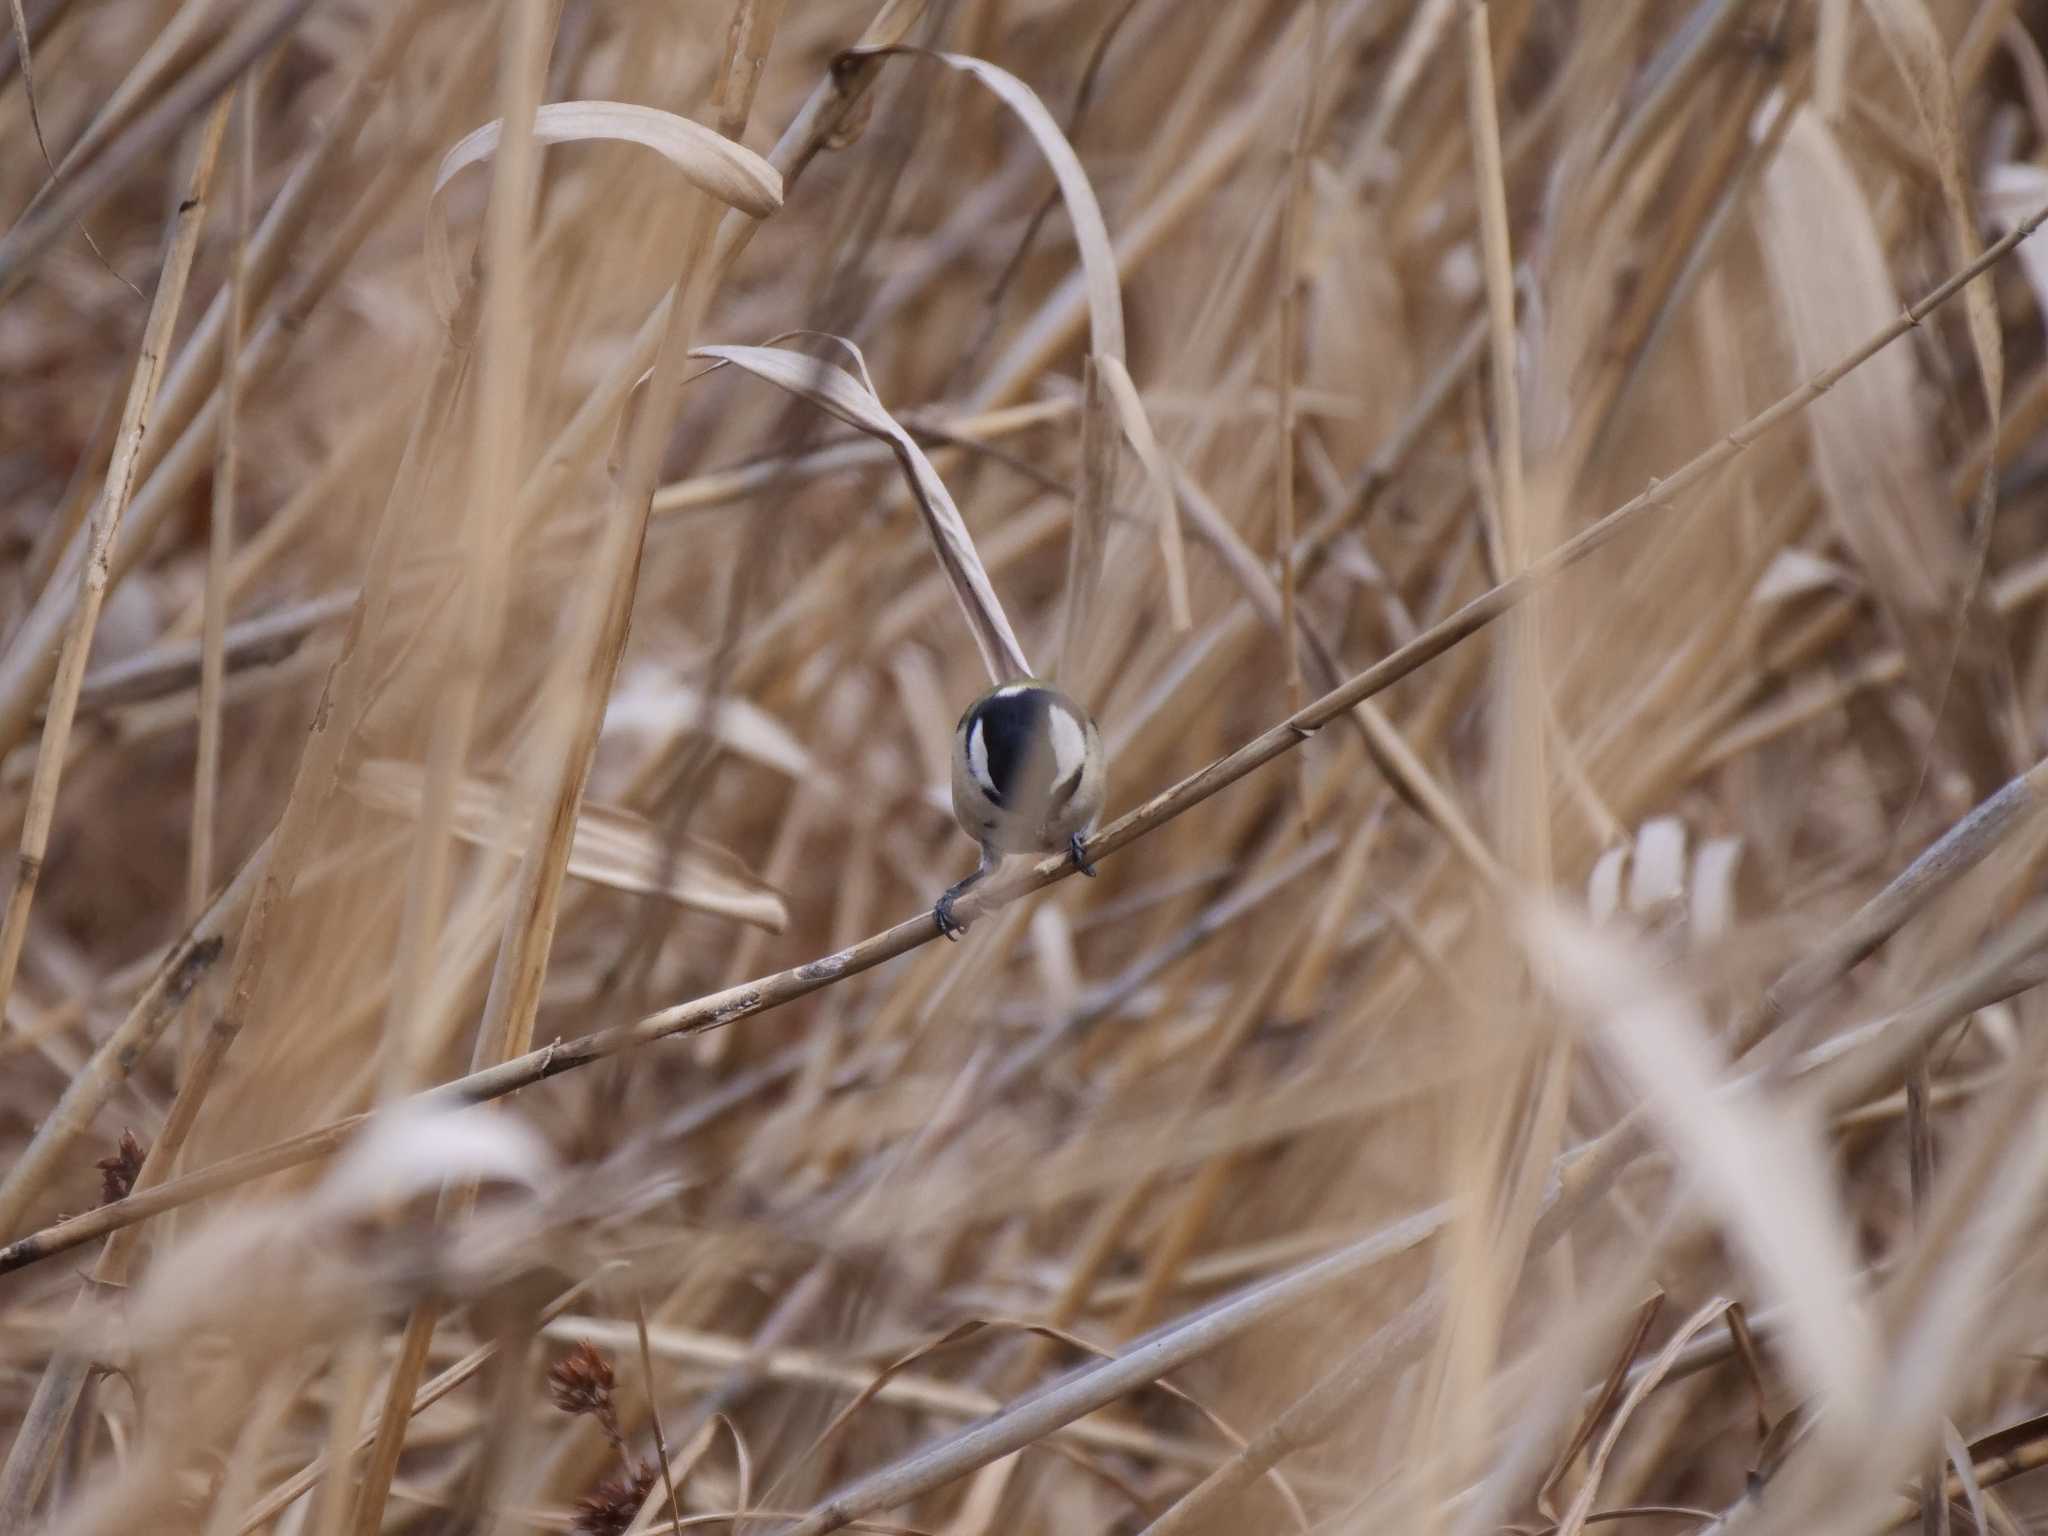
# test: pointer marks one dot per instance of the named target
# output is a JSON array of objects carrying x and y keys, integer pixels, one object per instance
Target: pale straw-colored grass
[{"x": 506, "y": 501}]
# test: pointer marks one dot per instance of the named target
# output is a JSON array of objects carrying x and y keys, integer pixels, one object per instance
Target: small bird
[{"x": 1028, "y": 777}]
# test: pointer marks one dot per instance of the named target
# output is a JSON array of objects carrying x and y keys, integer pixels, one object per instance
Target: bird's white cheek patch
[
  {"x": 977, "y": 755},
  {"x": 1069, "y": 744}
]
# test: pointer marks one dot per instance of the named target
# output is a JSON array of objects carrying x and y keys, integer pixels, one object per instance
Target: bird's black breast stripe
[{"x": 1015, "y": 729}]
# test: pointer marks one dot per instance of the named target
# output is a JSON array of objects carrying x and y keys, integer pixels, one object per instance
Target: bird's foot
[
  {"x": 1080, "y": 858},
  {"x": 942, "y": 909}
]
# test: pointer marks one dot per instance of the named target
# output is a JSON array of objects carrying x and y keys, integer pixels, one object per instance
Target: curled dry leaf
[
  {"x": 612, "y": 846},
  {"x": 713, "y": 163},
  {"x": 838, "y": 393}
]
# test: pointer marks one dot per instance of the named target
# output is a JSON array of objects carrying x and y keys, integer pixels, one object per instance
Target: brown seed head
[
  {"x": 118, "y": 1172},
  {"x": 611, "y": 1508},
  {"x": 581, "y": 1381}
]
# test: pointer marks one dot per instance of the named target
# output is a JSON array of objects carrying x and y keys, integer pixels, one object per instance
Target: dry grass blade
[
  {"x": 274, "y": 873},
  {"x": 931, "y": 1395},
  {"x": 1951, "y": 856},
  {"x": 1873, "y": 446},
  {"x": 1983, "y": 1205},
  {"x": 1915, "y": 44},
  {"x": 1091, "y": 234},
  {"x": 221, "y": 522},
  {"x": 175, "y": 665},
  {"x": 1311, "y": 1418},
  {"x": 611, "y": 846},
  {"x": 28, "y": 78},
  {"x": 1131, "y": 416},
  {"x": 578, "y": 686},
  {"x": 1574, "y": 1521},
  {"x": 1758, "y": 1167},
  {"x": 1287, "y": 322},
  {"x": 1490, "y": 192},
  {"x": 26, "y": 60},
  {"x": 1088, "y": 537},
  {"x": 1092, "y": 1387},
  {"x": 668, "y": 1474},
  {"x": 1603, "y": 1401},
  {"x": 834, "y": 390},
  {"x": 1957, "y": 1454},
  {"x": 1104, "y": 295},
  {"x": 972, "y": 1328},
  {"x": 713, "y": 163}
]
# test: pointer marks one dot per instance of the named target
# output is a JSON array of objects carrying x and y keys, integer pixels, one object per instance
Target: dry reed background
[{"x": 1313, "y": 1167}]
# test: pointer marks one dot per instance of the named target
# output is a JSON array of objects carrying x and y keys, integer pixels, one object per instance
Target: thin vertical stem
[
  {"x": 220, "y": 542},
  {"x": 1287, "y": 343},
  {"x": 100, "y": 530},
  {"x": 497, "y": 447},
  {"x": 1934, "y": 1519},
  {"x": 1490, "y": 190}
]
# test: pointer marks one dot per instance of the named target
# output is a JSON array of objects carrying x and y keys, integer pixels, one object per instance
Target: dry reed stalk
[
  {"x": 180, "y": 245},
  {"x": 496, "y": 441},
  {"x": 1486, "y": 1255},
  {"x": 221, "y": 520},
  {"x": 497, "y": 436},
  {"x": 1288, "y": 320}
]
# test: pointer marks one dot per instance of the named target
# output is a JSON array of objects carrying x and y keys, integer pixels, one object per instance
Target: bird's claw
[
  {"x": 1079, "y": 856},
  {"x": 942, "y": 914}
]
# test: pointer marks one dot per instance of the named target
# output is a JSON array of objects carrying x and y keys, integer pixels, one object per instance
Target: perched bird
[{"x": 1028, "y": 777}]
